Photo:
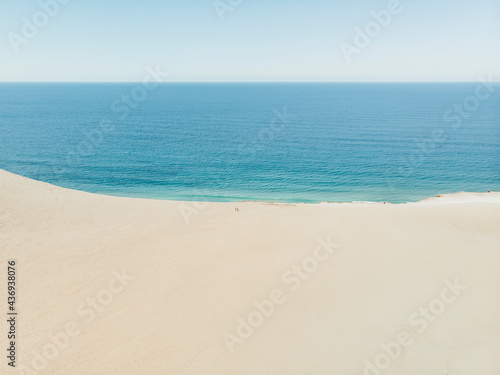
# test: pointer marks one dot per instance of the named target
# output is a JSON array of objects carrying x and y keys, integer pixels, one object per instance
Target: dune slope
[{"x": 127, "y": 286}]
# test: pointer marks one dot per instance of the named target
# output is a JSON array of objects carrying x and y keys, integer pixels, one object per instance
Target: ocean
[{"x": 276, "y": 142}]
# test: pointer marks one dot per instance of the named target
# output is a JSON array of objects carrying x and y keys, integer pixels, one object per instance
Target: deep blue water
[{"x": 283, "y": 142}]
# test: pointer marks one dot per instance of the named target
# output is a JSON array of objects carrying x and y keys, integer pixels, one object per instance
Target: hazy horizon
[{"x": 252, "y": 82}]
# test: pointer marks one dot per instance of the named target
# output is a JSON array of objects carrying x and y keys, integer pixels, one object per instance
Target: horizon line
[{"x": 167, "y": 82}]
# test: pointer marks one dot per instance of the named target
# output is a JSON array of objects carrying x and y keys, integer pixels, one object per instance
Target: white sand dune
[{"x": 420, "y": 280}]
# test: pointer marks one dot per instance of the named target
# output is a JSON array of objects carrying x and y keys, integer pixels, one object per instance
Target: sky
[{"x": 249, "y": 40}]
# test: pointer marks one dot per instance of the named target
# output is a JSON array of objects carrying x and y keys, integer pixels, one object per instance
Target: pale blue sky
[{"x": 260, "y": 40}]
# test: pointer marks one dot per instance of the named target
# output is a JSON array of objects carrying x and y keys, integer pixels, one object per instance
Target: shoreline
[{"x": 459, "y": 197}]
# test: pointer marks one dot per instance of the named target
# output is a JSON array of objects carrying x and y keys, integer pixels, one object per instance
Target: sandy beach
[{"x": 125, "y": 286}]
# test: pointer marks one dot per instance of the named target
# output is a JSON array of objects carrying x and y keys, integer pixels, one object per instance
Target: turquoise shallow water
[{"x": 273, "y": 142}]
